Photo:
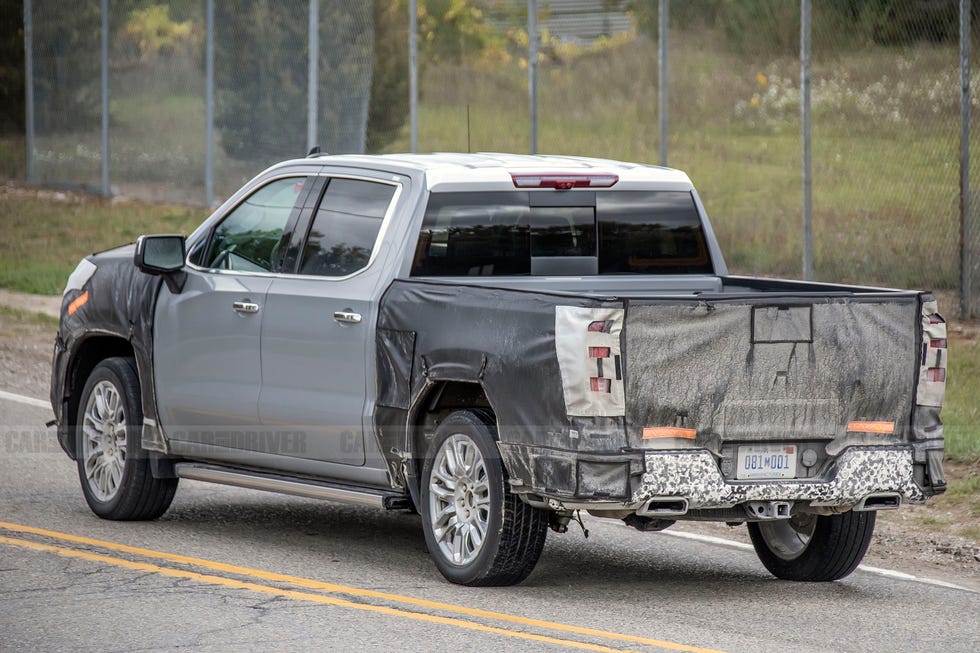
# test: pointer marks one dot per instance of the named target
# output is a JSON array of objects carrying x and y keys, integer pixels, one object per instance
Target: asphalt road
[{"x": 238, "y": 569}]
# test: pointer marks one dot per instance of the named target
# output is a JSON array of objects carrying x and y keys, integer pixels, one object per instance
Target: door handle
[
  {"x": 245, "y": 307},
  {"x": 347, "y": 316}
]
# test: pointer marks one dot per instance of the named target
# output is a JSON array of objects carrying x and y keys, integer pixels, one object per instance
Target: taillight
[
  {"x": 936, "y": 374},
  {"x": 560, "y": 181},
  {"x": 599, "y": 384},
  {"x": 599, "y": 352}
]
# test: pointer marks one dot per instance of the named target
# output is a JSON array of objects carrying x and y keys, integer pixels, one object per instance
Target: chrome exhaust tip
[
  {"x": 664, "y": 507},
  {"x": 883, "y": 501}
]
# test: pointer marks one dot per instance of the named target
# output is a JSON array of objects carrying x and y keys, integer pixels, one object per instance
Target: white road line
[
  {"x": 887, "y": 573},
  {"x": 30, "y": 401}
]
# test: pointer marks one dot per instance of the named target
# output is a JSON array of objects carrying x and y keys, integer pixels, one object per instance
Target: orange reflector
[
  {"x": 650, "y": 432},
  {"x": 871, "y": 427},
  {"x": 77, "y": 303}
]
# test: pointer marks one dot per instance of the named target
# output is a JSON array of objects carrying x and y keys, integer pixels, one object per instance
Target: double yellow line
[{"x": 329, "y": 588}]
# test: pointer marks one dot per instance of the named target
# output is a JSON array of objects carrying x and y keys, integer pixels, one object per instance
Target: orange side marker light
[
  {"x": 883, "y": 428},
  {"x": 77, "y": 303},
  {"x": 651, "y": 432}
]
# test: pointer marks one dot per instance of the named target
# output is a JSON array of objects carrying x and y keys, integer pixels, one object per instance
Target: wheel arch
[
  {"x": 439, "y": 400},
  {"x": 87, "y": 354}
]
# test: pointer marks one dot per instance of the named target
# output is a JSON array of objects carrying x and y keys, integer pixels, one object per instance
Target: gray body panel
[{"x": 207, "y": 355}]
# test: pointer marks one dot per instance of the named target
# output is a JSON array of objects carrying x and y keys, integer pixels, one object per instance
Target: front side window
[
  {"x": 247, "y": 239},
  {"x": 345, "y": 228}
]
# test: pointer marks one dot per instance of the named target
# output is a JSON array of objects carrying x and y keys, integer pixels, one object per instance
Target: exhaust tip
[
  {"x": 886, "y": 501},
  {"x": 664, "y": 507}
]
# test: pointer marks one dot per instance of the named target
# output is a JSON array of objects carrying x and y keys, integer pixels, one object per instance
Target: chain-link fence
[
  {"x": 187, "y": 88},
  {"x": 179, "y": 84}
]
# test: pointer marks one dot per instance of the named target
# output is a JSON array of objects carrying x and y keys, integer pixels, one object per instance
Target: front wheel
[
  {"x": 813, "y": 547},
  {"x": 114, "y": 470},
  {"x": 478, "y": 532}
]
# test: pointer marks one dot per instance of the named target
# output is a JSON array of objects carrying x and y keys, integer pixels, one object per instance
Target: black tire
[
  {"x": 135, "y": 494},
  {"x": 829, "y": 547},
  {"x": 514, "y": 531}
]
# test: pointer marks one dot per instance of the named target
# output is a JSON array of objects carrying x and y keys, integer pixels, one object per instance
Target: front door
[{"x": 207, "y": 349}]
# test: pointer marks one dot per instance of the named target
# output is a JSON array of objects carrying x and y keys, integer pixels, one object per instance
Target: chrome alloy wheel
[
  {"x": 104, "y": 440},
  {"x": 459, "y": 499},
  {"x": 789, "y": 538}
]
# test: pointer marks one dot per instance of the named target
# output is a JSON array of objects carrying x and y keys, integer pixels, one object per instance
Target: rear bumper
[
  {"x": 857, "y": 473},
  {"x": 693, "y": 479}
]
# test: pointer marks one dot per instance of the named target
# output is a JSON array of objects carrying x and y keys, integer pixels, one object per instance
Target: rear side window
[
  {"x": 345, "y": 227},
  {"x": 474, "y": 234},
  {"x": 513, "y": 233}
]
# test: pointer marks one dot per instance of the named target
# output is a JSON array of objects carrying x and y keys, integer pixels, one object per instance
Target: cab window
[
  {"x": 345, "y": 228},
  {"x": 248, "y": 238}
]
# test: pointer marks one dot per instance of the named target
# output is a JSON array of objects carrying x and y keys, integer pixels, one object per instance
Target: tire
[
  {"x": 813, "y": 548},
  {"x": 113, "y": 468},
  {"x": 465, "y": 493}
]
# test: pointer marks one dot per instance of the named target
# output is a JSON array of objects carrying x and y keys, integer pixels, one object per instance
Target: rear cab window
[{"x": 507, "y": 233}]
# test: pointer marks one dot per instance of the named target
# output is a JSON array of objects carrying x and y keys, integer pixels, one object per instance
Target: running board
[{"x": 294, "y": 486}]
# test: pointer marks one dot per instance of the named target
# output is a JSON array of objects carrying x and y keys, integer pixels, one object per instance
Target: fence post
[
  {"x": 313, "y": 41},
  {"x": 966, "y": 226},
  {"x": 663, "y": 23},
  {"x": 413, "y": 72},
  {"x": 532, "y": 71},
  {"x": 209, "y": 104},
  {"x": 29, "y": 89},
  {"x": 106, "y": 191},
  {"x": 805, "y": 128}
]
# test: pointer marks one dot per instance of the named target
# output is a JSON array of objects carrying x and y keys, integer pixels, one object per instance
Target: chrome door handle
[
  {"x": 347, "y": 316},
  {"x": 246, "y": 307}
]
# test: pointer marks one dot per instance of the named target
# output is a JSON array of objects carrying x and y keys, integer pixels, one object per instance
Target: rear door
[{"x": 318, "y": 333}]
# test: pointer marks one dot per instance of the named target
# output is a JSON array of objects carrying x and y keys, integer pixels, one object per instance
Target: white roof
[{"x": 490, "y": 170}]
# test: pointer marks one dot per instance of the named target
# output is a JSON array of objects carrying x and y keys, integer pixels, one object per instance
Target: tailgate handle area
[{"x": 782, "y": 324}]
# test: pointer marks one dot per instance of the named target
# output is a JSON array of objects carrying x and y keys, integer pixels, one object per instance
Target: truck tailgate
[{"x": 756, "y": 369}]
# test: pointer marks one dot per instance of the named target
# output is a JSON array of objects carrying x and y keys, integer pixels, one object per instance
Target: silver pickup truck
[{"x": 498, "y": 342}]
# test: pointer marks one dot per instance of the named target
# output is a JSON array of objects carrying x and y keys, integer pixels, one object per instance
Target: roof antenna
[
  {"x": 314, "y": 151},
  {"x": 469, "y": 150}
]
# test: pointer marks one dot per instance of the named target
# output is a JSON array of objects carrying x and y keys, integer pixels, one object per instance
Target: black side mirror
[{"x": 162, "y": 255}]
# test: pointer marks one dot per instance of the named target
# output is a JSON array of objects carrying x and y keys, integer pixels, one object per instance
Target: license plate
[{"x": 766, "y": 461}]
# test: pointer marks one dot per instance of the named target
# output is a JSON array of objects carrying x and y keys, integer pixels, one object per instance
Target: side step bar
[{"x": 294, "y": 486}]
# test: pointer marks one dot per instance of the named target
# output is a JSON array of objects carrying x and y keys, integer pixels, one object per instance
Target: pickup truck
[{"x": 498, "y": 342}]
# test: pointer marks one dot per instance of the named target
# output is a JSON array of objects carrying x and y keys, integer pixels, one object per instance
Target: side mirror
[{"x": 162, "y": 255}]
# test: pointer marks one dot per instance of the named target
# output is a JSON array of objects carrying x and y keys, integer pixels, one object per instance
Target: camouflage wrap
[{"x": 859, "y": 471}]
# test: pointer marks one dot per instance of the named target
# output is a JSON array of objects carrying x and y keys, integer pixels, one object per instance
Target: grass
[
  {"x": 19, "y": 318},
  {"x": 961, "y": 411},
  {"x": 45, "y": 238}
]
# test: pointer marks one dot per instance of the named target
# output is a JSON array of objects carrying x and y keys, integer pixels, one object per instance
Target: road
[{"x": 228, "y": 568}]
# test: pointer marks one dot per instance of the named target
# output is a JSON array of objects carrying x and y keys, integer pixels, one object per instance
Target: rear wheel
[
  {"x": 478, "y": 532},
  {"x": 113, "y": 468},
  {"x": 813, "y": 547}
]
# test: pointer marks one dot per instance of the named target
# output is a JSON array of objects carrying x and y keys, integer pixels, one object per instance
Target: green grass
[
  {"x": 961, "y": 411},
  {"x": 45, "y": 239},
  {"x": 19, "y": 317}
]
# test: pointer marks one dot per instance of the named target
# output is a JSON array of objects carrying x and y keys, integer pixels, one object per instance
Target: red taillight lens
[
  {"x": 599, "y": 384},
  {"x": 935, "y": 318},
  {"x": 936, "y": 374},
  {"x": 560, "y": 181},
  {"x": 599, "y": 352},
  {"x": 938, "y": 344},
  {"x": 597, "y": 327}
]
